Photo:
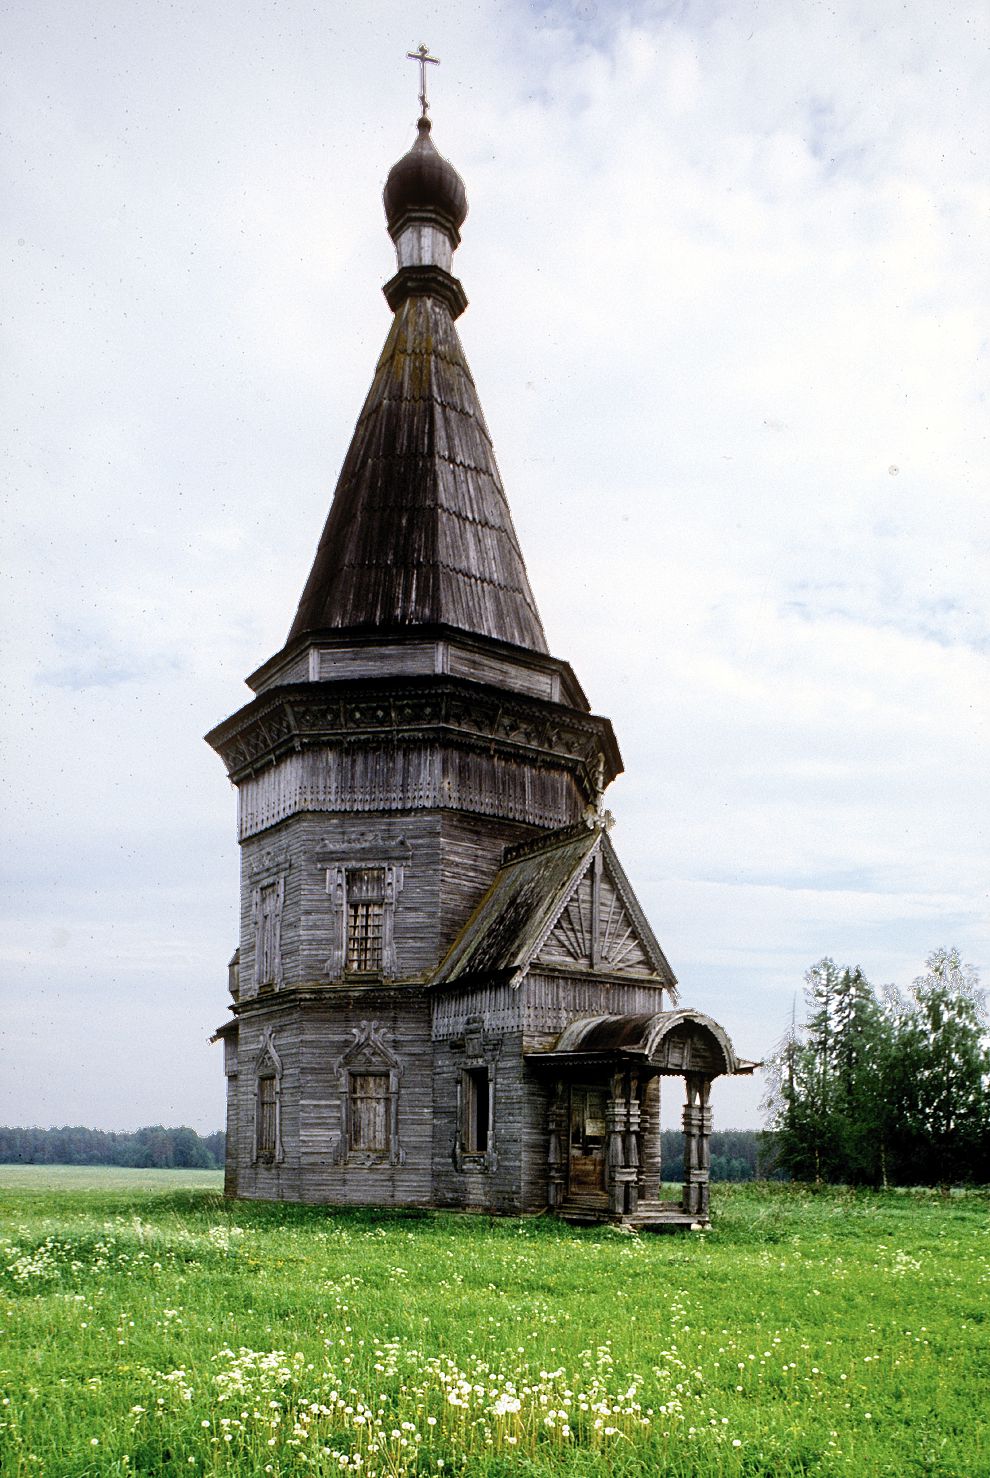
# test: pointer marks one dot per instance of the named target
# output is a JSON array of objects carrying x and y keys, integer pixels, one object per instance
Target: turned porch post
[
  {"x": 650, "y": 1169},
  {"x": 697, "y": 1129},
  {"x": 557, "y": 1147},
  {"x": 632, "y": 1165},
  {"x": 622, "y": 1159},
  {"x": 614, "y": 1153}
]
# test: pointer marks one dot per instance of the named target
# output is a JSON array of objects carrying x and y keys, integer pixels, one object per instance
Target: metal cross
[{"x": 422, "y": 55}]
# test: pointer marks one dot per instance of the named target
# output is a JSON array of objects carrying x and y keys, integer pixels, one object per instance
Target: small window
[
  {"x": 370, "y": 1113},
  {"x": 266, "y": 1118},
  {"x": 365, "y": 919},
  {"x": 477, "y": 1110}
]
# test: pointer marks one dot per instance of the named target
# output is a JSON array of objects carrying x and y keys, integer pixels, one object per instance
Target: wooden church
[{"x": 445, "y": 993}]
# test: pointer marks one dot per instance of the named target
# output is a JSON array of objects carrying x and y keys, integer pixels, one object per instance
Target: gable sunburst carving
[
  {"x": 618, "y": 944},
  {"x": 573, "y": 929},
  {"x": 596, "y": 930}
]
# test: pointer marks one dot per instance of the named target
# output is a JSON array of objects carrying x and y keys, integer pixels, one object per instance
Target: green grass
[
  {"x": 149, "y": 1327},
  {"x": 103, "y": 1178}
]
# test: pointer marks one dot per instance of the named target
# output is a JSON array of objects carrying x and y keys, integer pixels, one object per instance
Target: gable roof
[
  {"x": 530, "y": 892},
  {"x": 419, "y": 531}
]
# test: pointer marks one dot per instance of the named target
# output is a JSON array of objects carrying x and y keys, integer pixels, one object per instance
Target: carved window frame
[
  {"x": 476, "y": 1108},
  {"x": 267, "y": 876},
  {"x": 362, "y": 856},
  {"x": 267, "y": 1069},
  {"x": 368, "y": 1054},
  {"x": 364, "y": 922},
  {"x": 477, "y": 1060}
]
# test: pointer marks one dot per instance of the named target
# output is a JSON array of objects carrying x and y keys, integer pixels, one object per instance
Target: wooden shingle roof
[
  {"x": 527, "y": 898},
  {"x": 419, "y": 532}
]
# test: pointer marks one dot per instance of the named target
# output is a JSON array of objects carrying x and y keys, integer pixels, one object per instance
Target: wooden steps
[{"x": 649, "y": 1216}]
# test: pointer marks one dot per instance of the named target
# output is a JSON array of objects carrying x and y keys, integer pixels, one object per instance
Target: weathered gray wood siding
[
  {"x": 328, "y": 1175},
  {"x": 312, "y": 1039},
  {"x": 309, "y": 921},
  {"x": 231, "y": 1157},
  {"x": 472, "y": 1028},
  {"x": 491, "y": 1182},
  {"x": 278, "y": 1181},
  {"x": 451, "y": 861}
]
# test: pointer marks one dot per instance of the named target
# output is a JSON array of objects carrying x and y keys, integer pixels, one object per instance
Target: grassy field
[{"x": 148, "y": 1327}]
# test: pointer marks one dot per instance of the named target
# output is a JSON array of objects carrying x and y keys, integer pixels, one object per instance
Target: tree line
[
  {"x": 884, "y": 1087},
  {"x": 735, "y": 1152},
  {"x": 151, "y": 1148}
]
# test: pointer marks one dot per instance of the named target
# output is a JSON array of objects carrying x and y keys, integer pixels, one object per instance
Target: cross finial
[{"x": 422, "y": 55}]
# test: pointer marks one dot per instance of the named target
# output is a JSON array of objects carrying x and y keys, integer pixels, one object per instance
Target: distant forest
[
  {"x": 735, "y": 1152},
  {"x": 153, "y": 1148}
]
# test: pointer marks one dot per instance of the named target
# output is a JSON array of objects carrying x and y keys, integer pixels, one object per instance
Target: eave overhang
[
  {"x": 370, "y": 636},
  {"x": 296, "y": 716},
  {"x": 647, "y": 1039}
]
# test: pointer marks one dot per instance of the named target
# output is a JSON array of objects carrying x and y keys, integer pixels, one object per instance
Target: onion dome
[{"x": 423, "y": 185}]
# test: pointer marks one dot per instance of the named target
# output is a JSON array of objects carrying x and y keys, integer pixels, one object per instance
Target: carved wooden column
[
  {"x": 704, "y": 1146},
  {"x": 616, "y": 1150},
  {"x": 697, "y": 1129},
  {"x": 557, "y": 1147},
  {"x": 622, "y": 1160},
  {"x": 632, "y": 1165},
  {"x": 650, "y": 1161}
]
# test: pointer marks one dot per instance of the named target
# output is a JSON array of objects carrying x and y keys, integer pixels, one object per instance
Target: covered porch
[{"x": 604, "y": 1079}]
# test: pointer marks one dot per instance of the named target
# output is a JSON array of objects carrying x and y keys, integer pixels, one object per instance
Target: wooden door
[{"x": 586, "y": 1142}]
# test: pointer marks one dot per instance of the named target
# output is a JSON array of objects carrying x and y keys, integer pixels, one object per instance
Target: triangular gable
[
  {"x": 601, "y": 926},
  {"x": 563, "y": 902}
]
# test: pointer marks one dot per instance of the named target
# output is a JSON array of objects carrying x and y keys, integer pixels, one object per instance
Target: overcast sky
[{"x": 727, "y": 273}]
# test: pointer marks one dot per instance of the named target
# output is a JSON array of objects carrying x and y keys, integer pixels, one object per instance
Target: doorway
[{"x": 586, "y": 1142}]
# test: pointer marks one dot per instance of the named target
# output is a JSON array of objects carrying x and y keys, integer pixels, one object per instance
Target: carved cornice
[
  {"x": 456, "y": 711},
  {"x": 378, "y": 997}
]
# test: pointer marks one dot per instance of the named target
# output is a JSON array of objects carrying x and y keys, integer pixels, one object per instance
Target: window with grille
[
  {"x": 266, "y": 1118},
  {"x": 365, "y": 919},
  {"x": 370, "y": 1118}
]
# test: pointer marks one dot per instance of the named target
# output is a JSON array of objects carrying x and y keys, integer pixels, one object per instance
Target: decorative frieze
[{"x": 347, "y": 779}]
